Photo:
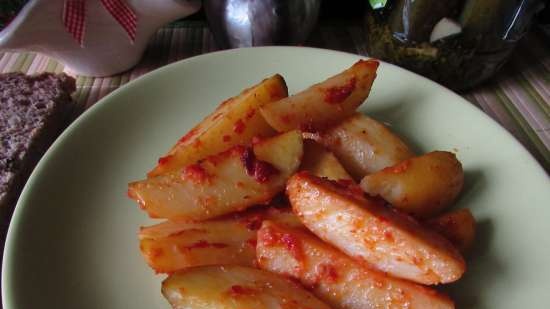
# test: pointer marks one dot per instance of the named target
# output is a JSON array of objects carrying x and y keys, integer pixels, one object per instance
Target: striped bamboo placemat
[{"x": 518, "y": 97}]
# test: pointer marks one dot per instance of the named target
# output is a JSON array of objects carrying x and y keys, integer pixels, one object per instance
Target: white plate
[{"x": 72, "y": 242}]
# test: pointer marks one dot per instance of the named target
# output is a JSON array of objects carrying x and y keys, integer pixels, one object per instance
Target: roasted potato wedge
[
  {"x": 336, "y": 278},
  {"x": 235, "y": 122},
  {"x": 227, "y": 182},
  {"x": 235, "y": 287},
  {"x": 323, "y": 104},
  {"x": 364, "y": 145},
  {"x": 321, "y": 162},
  {"x": 459, "y": 227},
  {"x": 373, "y": 233},
  {"x": 421, "y": 186},
  {"x": 174, "y": 245}
]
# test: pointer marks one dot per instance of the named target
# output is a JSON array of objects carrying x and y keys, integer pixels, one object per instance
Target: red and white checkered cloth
[{"x": 74, "y": 17}]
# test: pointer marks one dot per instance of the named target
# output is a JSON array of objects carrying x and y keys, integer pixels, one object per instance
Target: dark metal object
[{"x": 241, "y": 23}]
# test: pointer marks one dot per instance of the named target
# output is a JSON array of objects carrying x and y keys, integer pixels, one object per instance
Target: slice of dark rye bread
[{"x": 33, "y": 111}]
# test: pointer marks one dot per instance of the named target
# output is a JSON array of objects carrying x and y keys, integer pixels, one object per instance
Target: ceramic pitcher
[{"x": 106, "y": 48}]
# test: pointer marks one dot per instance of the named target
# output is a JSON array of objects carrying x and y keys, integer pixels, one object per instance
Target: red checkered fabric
[
  {"x": 74, "y": 17},
  {"x": 124, "y": 15}
]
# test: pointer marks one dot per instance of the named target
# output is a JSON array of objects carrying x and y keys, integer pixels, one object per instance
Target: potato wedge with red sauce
[
  {"x": 321, "y": 162},
  {"x": 175, "y": 245},
  {"x": 421, "y": 186},
  {"x": 235, "y": 287},
  {"x": 364, "y": 145},
  {"x": 323, "y": 104},
  {"x": 373, "y": 233},
  {"x": 458, "y": 226},
  {"x": 335, "y": 278},
  {"x": 236, "y": 121},
  {"x": 227, "y": 182},
  {"x": 354, "y": 246}
]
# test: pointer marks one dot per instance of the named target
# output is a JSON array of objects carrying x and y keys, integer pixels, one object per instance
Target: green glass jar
[{"x": 458, "y": 43}]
